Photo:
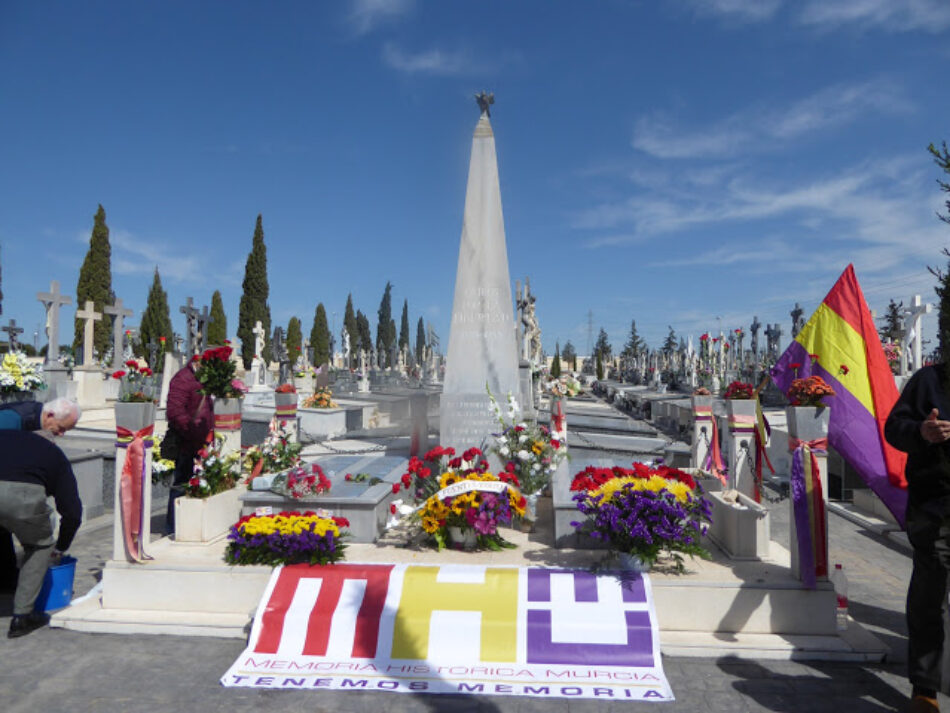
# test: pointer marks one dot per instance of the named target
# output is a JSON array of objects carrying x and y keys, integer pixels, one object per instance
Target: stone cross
[
  {"x": 772, "y": 333},
  {"x": 258, "y": 332},
  {"x": 119, "y": 315},
  {"x": 91, "y": 316},
  {"x": 52, "y": 301},
  {"x": 12, "y": 330},
  {"x": 912, "y": 335},
  {"x": 797, "y": 321},
  {"x": 305, "y": 353},
  {"x": 201, "y": 329},
  {"x": 188, "y": 309}
]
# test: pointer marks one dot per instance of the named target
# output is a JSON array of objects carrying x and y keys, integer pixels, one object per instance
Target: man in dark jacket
[
  {"x": 32, "y": 468},
  {"x": 918, "y": 425},
  {"x": 191, "y": 416},
  {"x": 54, "y": 417}
]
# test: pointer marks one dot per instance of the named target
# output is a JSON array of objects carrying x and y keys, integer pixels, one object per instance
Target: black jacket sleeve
[
  {"x": 902, "y": 428},
  {"x": 65, "y": 493}
]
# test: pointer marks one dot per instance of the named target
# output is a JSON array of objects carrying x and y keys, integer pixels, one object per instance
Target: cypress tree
[
  {"x": 669, "y": 346},
  {"x": 320, "y": 336},
  {"x": 420, "y": 340},
  {"x": 254, "y": 305},
  {"x": 600, "y": 368},
  {"x": 570, "y": 355},
  {"x": 942, "y": 159},
  {"x": 95, "y": 283},
  {"x": 603, "y": 345},
  {"x": 294, "y": 339},
  {"x": 349, "y": 322},
  {"x": 217, "y": 321},
  {"x": 556, "y": 364},
  {"x": 365, "y": 339},
  {"x": 156, "y": 323},
  {"x": 404, "y": 327},
  {"x": 386, "y": 328}
]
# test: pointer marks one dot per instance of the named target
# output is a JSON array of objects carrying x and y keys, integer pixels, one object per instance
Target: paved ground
[{"x": 58, "y": 671}]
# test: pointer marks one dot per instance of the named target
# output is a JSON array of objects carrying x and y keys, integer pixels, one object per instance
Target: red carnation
[
  {"x": 118, "y": 374},
  {"x": 395, "y": 487},
  {"x": 392, "y": 508}
]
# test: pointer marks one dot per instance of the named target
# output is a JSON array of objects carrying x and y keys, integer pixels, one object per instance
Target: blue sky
[{"x": 670, "y": 162}]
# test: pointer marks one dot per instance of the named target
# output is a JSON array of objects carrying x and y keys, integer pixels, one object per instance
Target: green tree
[
  {"x": 891, "y": 331},
  {"x": 217, "y": 321},
  {"x": 365, "y": 340},
  {"x": 386, "y": 327},
  {"x": 404, "y": 327},
  {"x": 95, "y": 283},
  {"x": 942, "y": 159},
  {"x": 352, "y": 328},
  {"x": 602, "y": 346},
  {"x": 320, "y": 335},
  {"x": 294, "y": 339},
  {"x": 600, "y": 367},
  {"x": 570, "y": 355},
  {"x": 254, "y": 305},
  {"x": 420, "y": 341},
  {"x": 669, "y": 345},
  {"x": 556, "y": 363},
  {"x": 635, "y": 345},
  {"x": 156, "y": 323}
]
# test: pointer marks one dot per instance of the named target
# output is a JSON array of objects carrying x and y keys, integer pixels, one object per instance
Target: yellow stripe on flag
[{"x": 837, "y": 344}]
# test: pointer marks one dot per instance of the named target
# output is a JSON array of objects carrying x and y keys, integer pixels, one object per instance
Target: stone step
[{"x": 90, "y": 616}]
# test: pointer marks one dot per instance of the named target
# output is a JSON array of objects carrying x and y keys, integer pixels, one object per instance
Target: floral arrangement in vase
[
  {"x": 892, "y": 352},
  {"x": 809, "y": 391},
  {"x": 701, "y": 391},
  {"x": 739, "y": 391},
  {"x": 214, "y": 472},
  {"x": 287, "y": 538},
  {"x": 468, "y": 508},
  {"x": 136, "y": 383},
  {"x": 216, "y": 374},
  {"x": 321, "y": 398},
  {"x": 643, "y": 511},
  {"x": 162, "y": 468},
  {"x": 17, "y": 373},
  {"x": 302, "y": 482},
  {"x": 565, "y": 385},
  {"x": 275, "y": 454},
  {"x": 529, "y": 451},
  {"x": 286, "y": 389}
]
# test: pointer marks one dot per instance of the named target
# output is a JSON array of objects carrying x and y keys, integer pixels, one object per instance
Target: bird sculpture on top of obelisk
[{"x": 482, "y": 347}]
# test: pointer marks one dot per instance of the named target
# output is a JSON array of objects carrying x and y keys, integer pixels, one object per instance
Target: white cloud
[
  {"x": 758, "y": 128},
  {"x": 366, "y": 15},
  {"x": 435, "y": 61},
  {"x": 741, "y": 10},
  {"x": 892, "y": 15},
  {"x": 132, "y": 256}
]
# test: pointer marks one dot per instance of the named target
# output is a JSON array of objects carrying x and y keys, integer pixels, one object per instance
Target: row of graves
[{"x": 544, "y": 544}]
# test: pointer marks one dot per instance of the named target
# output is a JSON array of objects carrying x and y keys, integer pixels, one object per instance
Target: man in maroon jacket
[{"x": 191, "y": 416}]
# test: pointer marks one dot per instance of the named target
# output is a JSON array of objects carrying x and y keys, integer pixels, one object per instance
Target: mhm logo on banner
[{"x": 515, "y": 631}]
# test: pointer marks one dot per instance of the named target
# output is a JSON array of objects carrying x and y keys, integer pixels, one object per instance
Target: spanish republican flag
[{"x": 841, "y": 345}]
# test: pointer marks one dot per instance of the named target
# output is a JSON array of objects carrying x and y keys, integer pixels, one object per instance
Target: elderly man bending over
[{"x": 56, "y": 416}]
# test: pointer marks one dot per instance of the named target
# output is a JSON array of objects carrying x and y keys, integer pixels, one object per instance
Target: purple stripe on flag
[
  {"x": 585, "y": 586},
  {"x": 637, "y": 651},
  {"x": 852, "y": 429},
  {"x": 806, "y": 558}
]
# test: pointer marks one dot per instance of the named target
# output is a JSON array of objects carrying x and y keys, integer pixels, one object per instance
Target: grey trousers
[{"x": 25, "y": 512}]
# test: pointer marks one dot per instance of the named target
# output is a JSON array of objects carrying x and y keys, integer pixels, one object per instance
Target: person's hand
[
  {"x": 934, "y": 430},
  {"x": 55, "y": 557}
]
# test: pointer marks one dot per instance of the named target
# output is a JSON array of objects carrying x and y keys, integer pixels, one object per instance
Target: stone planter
[
  {"x": 227, "y": 423},
  {"x": 738, "y": 443},
  {"x": 134, "y": 416},
  {"x": 702, "y": 429},
  {"x": 285, "y": 406},
  {"x": 207, "y": 519},
  {"x": 808, "y": 423},
  {"x": 741, "y": 527}
]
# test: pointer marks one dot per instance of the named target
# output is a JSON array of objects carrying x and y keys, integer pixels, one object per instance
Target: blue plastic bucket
[{"x": 57, "y": 591}]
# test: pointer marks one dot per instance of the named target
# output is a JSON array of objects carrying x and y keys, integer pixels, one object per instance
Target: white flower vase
[
  {"x": 632, "y": 563},
  {"x": 467, "y": 538},
  {"x": 530, "y": 516}
]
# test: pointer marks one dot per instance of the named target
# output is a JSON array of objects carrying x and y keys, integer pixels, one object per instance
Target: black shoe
[{"x": 23, "y": 624}]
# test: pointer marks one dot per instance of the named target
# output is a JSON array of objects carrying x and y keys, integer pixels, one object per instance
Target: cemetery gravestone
[
  {"x": 119, "y": 314},
  {"x": 52, "y": 301}
]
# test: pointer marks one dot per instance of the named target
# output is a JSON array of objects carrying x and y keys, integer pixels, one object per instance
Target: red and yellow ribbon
[{"x": 131, "y": 485}]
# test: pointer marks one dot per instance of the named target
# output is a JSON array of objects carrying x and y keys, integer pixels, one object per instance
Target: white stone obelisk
[{"x": 482, "y": 347}]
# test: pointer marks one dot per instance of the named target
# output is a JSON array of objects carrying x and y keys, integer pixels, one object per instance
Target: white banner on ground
[{"x": 515, "y": 631}]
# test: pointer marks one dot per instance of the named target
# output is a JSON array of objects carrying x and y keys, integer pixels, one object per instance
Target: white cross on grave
[
  {"x": 12, "y": 331},
  {"x": 91, "y": 316},
  {"x": 912, "y": 335},
  {"x": 120, "y": 314},
  {"x": 52, "y": 301}
]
